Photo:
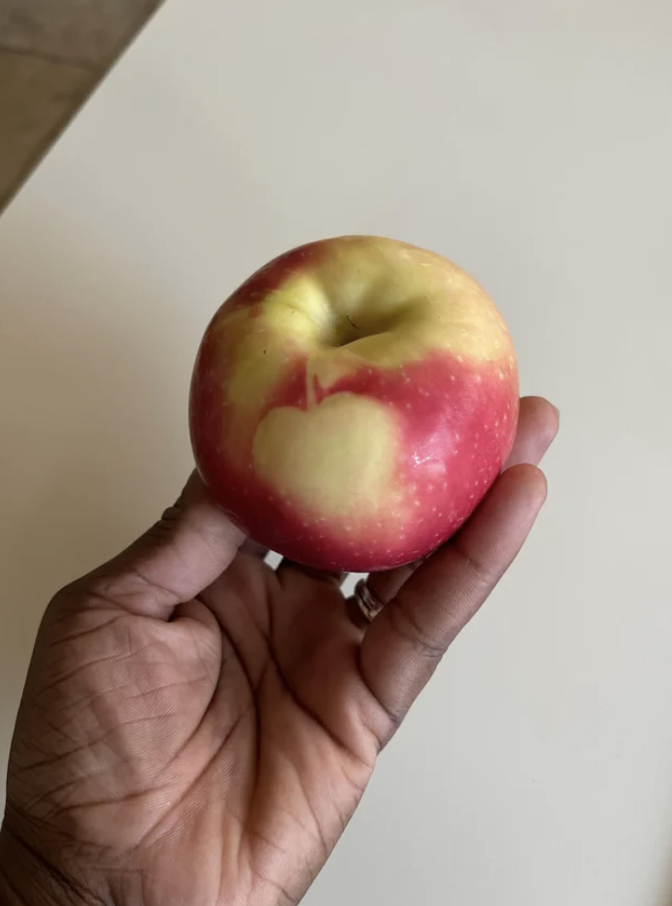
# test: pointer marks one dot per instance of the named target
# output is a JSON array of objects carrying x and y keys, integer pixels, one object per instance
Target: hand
[{"x": 199, "y": 728}]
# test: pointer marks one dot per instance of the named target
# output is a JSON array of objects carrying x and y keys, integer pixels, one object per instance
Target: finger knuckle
[{"x": 405, "y": 624}]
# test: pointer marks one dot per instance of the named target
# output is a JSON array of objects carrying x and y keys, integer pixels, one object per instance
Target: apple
[{"x": 353, "y": 401}]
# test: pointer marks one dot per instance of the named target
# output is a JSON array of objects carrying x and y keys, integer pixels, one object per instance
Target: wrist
[{"x": 26, "y": 879}]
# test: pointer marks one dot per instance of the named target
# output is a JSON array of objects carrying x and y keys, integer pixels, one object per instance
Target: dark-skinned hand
[{"x": 198, "y": 728}]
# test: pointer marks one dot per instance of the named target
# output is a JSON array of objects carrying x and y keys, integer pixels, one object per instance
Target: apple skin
[{"x": 352, "y": 402}]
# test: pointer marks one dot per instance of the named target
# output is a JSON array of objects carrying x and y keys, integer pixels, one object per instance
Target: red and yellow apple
[{"x": 353, "y": 401}]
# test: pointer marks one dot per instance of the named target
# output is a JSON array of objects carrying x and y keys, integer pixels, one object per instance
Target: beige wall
[
  {"x": 52, "y": 54},
  {"x": 530, "y": 142}
]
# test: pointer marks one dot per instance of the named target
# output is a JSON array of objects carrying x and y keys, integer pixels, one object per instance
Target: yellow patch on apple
[
  {"x": 370, "y": 302},
  {"x": 292, "y": 446}
]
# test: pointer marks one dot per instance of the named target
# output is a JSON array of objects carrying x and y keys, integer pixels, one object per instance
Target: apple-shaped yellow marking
[{"x": 314, "y": 459}]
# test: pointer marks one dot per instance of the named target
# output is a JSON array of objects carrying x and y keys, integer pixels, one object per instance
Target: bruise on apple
[{"x": 353, "y": 401}]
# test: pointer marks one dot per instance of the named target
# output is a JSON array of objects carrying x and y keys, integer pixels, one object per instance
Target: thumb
[{"x": 183, "y": 553}]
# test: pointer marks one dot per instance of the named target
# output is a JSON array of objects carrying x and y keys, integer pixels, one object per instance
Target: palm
[
  {"x": 220, "y": 733},
  {"x": 212, "y": 751}
]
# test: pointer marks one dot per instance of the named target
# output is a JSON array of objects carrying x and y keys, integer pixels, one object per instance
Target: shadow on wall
[{"x": 92, "y": 443}]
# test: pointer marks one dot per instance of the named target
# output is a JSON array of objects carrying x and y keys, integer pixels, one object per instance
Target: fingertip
[
  {"x": 525, "y": 473},
  {"x": 538, "y": 423},
  {"x": 541, "y": 480},
  {"x": 194, "y": 491},
  {"x": 197, "y": 501},
  {"x": 542, "y": 415},
  {"x": 525, "y": 480}
]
